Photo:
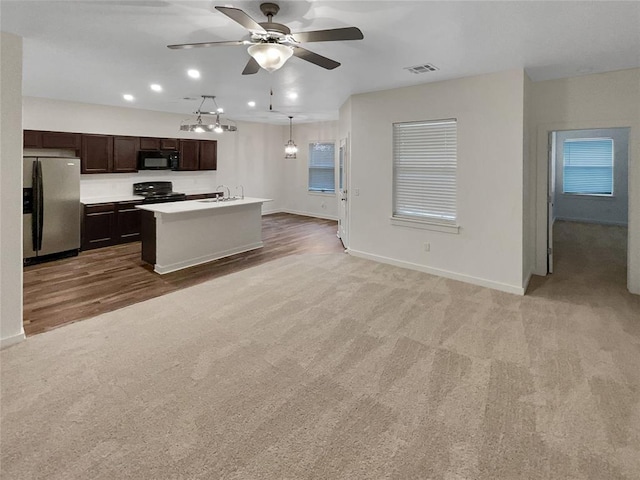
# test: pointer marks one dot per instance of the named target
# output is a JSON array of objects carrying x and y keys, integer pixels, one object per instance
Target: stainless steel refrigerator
[{"x": 50, "y": 208}]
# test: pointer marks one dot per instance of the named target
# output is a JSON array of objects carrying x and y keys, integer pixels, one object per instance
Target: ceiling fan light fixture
[{"x": 270, "y": 56}]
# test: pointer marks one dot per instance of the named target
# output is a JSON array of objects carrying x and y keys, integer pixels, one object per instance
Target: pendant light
[
  {"x": 290, "y": 149},
  {"x": 200, "y": 127}
]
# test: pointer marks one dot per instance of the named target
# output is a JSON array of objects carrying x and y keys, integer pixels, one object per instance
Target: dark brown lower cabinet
[
  {"x": 98, "y": 225},
  {"x": 105, "y": 224},
  {"x": 128, "y": 221}
]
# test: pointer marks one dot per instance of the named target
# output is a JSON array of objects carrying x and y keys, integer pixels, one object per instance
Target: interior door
[
  {"x": 343, "y": 168},
  {"x": 551, "y": 215}
]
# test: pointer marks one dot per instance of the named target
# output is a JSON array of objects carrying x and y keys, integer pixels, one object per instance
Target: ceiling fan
[{"x": 272, "y": 44}]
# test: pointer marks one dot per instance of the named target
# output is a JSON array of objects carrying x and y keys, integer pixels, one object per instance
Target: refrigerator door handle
[
  {"x": 34, "y": 214},
  {"x": 39, "y": 204}
]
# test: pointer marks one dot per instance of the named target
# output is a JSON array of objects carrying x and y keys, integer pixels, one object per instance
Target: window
[
  {"x": 424, "y": 171},
  {"x": 321, "y": 167},
  {"x": 588, "y": 166}
]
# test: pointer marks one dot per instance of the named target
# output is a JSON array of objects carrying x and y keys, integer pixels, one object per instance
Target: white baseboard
[
  {"x": 306, "y": 214},
  {"x": 9, "y": 341},
  {"x": 162, "y": 269},
  {"x": 503, "y": 287}
]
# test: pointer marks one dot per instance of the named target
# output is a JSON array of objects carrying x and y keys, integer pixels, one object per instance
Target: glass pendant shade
[
  {"x": 270, "y": 56},
  {"x": 290, "y": 148}
]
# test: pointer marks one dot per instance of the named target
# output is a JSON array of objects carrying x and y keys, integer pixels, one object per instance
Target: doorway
[{"x": 588, "y": 201}]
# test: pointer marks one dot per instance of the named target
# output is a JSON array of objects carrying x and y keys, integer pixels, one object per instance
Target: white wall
[
  {"x": 584, "y": 208},
  {"x": 603, "y": 100},
  {"x": 248, "y": 157},
  {"x": 11, "y": 330},
  {"x": 295, "y": 172},
  {"x": 488, "y": 250}
]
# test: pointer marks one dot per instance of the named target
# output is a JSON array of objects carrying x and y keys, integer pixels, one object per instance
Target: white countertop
[
  {"x": 197, "y": 205},
  {"x": 110, "y": 199}
]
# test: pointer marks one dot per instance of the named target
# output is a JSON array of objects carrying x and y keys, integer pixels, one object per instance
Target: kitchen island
[{"x": 178, "y": 235}]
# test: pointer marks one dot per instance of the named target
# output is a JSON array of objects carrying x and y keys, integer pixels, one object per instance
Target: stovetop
[{"x": 157, "y": 192}]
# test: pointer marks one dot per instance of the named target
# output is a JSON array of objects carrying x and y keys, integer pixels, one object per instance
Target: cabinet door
[
  {"x": 98, "y": 226},
  {"x": 189, "y": 154},
  {"x": 125, "y": 153},
  {"x": 169, "y": 144},
  {"x": 97, "y": 153},
  {"x": 208, "y": 155},
  {"x": 32, "y": 139},
  {"x": 128, "y": 222},
  {"x": 147, "y": 143},
  {"x": 61, "y": 140}
]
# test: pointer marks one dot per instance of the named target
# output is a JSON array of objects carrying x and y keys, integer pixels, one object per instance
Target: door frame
[
  {"x": 343, "y": 191},
  {"x": 542, "y": 210}
]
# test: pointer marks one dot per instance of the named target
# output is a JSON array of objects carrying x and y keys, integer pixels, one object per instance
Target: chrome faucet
[
  {"x": 228, "y": 191},
  {"x": 242, "y": 191}
]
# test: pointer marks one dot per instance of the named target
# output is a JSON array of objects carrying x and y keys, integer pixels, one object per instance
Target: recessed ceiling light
[
  {"x": 155, "y": 87},
  {"x": 128, "y": 97},
  {"x": 293, "y": 95},
  {"x": 193, "y": 73},
  {"x": 251, "y": 103}
]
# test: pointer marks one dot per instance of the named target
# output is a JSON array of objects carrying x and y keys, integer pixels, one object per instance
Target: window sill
[
  {"x": 582, "y": 196},
  {"x": 322, "y": 194},
  {"x": 425, "y": 225}
]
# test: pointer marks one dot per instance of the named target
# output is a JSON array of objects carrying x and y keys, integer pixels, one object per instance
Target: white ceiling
[{"x": 94, "y": 51}]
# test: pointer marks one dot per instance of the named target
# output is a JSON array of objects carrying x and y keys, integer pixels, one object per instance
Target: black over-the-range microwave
[{"x": 158, "y": 160}]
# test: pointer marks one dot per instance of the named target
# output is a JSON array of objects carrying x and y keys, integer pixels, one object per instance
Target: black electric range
[{"x": 157, "y": 192}]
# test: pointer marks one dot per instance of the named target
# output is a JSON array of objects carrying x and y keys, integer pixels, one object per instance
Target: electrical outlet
[
  {"x": 357, "y": 192},
  {"x": 427, "y": 247},
  {"x": 324, "y": 205}
]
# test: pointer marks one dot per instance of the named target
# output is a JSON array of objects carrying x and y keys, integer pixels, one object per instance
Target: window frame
[
  {"x": 311, "y": 191},
  {"x": 424, "y": 221},
  {"x": 613, "y": 167}
]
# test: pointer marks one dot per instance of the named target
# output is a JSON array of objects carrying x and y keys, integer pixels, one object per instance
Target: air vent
[{"x": 427, "y": 67}]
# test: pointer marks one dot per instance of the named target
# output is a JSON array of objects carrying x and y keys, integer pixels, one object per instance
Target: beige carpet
[{"x": 333, "y": 367}]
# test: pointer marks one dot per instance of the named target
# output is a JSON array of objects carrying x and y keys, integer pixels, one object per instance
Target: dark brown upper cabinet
[
  {"x": 119, "y": 154},
  {"x": 151, "y": 143},
  {"x": 189, "y": 154},
  {"x": 148, "y": 143},
  {"x": 32, "y": 139},
  {"x": 61, "y": 140},
  {"x": 125, "y": 154},
  {"x": 97, "y": 153},
  {"x": 208, "y": 155},
  {"x": 169, "y": 144}
]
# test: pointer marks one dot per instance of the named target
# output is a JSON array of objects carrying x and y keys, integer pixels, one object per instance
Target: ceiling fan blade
[
  {"x": 204, "y": 44},
  {"x": 251, "y": 67},
  {"x": 347, "y": 33},
  {"x": 242, "y": 18},
  {"x": 319, "y": 60}
]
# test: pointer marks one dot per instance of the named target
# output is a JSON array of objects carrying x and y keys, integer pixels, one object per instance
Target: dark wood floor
[{"x": 105, "y": 279}]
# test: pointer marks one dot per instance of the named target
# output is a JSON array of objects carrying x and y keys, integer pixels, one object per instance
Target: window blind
[
  {"x": 424, "y": 170},
  {"x": 321, "y": 167},
  {"x": 588, "y": 166}
]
